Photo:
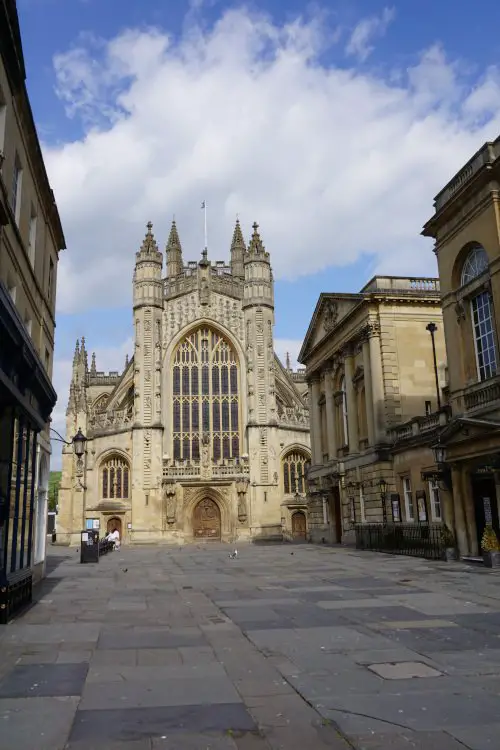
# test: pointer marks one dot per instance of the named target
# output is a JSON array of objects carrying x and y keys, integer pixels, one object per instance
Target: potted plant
[
  {"x": 491, "y": 547},
  {"x": 448, "y": 543}
]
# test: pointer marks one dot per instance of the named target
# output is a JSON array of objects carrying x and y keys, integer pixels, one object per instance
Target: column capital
[{"x": 347, "y": 350}]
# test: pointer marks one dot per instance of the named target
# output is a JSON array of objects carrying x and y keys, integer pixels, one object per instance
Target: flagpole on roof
[{"x": 204, "y": 207}]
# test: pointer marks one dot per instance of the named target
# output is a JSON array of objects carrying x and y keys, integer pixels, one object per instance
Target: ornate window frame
[
  {"x": 206, "y": 390},
  {"x": 294, "y": 464},
  {"x": 114, "y": 478},
  {"x": 475, "y": 291}
]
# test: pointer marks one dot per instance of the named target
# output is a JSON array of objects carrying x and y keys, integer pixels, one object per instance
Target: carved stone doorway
[
  {"x": 114, "y": 523},
  {"x": 299, "y": 526},
  {"x": 206, "y": 520}
]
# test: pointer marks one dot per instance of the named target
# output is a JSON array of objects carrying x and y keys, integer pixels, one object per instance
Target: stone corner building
[
  {"x": 369, "y": 365},
  {"x": 466, "y": 229},
  {"x": 31, "y": 237},
  {"x": 204, "y": 434}
]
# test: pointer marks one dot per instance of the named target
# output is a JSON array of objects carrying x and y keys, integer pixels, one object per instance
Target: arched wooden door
[
  {"x": 206, "y": 520},
  {"x": 114, "y": 523},
  {"x": 299, "y": 527}
]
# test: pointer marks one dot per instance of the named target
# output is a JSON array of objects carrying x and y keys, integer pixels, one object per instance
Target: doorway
[
  {"x": 485, "y": 504},
  {"x": 115, "y": 523},
  {"x": 206, "y": 520},
  {"x": 299, "y": 526}
]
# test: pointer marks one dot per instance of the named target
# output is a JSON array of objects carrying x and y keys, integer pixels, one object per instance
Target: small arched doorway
[
  {"x": 206, "y": 520},
  {"x": 299, "y": 527},
  {"x": 114, "y": 523}
]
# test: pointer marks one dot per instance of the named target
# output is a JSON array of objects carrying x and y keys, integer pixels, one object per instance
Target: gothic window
[
  {"x": 295, "y": 466},
  {"x": 482, "y": 317},
  {"x": 115, "y": 478},
  {"x": 101, "y": 403},
  {"x": 205, "y": 396}
]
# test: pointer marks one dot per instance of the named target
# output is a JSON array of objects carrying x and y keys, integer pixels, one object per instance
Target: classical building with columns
[
  {"x": 370, "y": 367},
  {"x": 203, "y": 434},
  {"x": 466, "y": 230}
]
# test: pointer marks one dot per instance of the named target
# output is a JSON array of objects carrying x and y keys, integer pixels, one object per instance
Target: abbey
[{"x": 205, "y": 434}]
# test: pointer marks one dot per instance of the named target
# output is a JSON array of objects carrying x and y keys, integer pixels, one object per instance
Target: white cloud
[
  {"x": 331, "y": 162},
  {"x": 368, "y": 29},
  {"x": 109, "y": 358}
]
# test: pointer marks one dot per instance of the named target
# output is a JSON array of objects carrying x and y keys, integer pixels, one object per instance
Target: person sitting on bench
[{"x": 114, "y": 536}]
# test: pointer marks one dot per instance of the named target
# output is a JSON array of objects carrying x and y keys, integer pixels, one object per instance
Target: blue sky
[{"x": 333, "y": 125}]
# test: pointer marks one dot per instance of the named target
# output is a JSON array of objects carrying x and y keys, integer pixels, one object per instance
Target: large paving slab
[{"x": 162, "y": 648}]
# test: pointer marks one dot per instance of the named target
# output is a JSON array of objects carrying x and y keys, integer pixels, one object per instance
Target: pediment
[
  {"x": 464, "y": 429},
  {"x": 330, "y": 310}
]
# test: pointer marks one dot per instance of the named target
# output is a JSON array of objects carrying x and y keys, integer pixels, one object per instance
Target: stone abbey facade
[{"x": 205, "y": 434}]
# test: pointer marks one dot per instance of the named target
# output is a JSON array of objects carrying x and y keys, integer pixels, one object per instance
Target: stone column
[
  {"x": 370, "y": 410},
  {"x": 458, "y": 504},
  {"x": 315, "y": 417},
  {"x": 377, "y": 378},
  {"x": 497, "y": 490},
  {"x": 352, "y": 417},
  {"x": 470, "y": 516},
  {"x": 330, "y": 416},
  {"x": 448, "y": 508}
]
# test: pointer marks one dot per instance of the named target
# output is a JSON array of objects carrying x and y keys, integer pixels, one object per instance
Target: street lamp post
[
  {"x": 432, "y": 328},
  {"x": 78, "y": 441}
]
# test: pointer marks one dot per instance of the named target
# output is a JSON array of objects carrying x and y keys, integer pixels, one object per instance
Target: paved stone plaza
[{"x": 286, "y": 647}]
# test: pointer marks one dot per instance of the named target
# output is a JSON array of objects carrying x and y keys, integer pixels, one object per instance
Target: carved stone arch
[
  {"x": 108, "y": 453},
  {"x": 199, "y": 323},
  {"x": 216, "y": 495},
  {"x": 101, "y": 403},
  {"x": 296, "y": 446}
]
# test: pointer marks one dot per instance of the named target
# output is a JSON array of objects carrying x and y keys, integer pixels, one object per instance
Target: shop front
[{"x": 26, "y": 402}]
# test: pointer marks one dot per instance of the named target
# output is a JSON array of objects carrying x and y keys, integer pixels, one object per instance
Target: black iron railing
[
  {"x": 412, "y": 539},
  {"x": 15, "y": 594}
]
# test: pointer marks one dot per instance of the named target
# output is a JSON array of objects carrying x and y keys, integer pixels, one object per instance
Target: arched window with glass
[
  {"x": 475, "y": 266},
  {"x": 295, "y": 465},
  {"x": 205, "y": 396},
  {"x": 115, "y": 479}
]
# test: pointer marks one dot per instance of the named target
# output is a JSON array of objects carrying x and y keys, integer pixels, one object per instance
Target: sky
[{"x": 333, "y": 125}]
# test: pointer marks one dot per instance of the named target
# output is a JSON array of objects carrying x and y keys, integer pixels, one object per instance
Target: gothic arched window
[
  {"x": 115, "y": 479},
  {"x": 205, "y": 396},
  {"x": 101, "y": 403},
  {"x": 295, "y": 466}
]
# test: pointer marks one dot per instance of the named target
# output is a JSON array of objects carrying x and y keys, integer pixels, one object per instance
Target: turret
[
  {"x": 77, "y": 402},
  {"x": 174, "y": 253},
  {"x": 258, "y": 273},
  {"x": 238, "y": 250},
  {"x": 148, "y": 287}
]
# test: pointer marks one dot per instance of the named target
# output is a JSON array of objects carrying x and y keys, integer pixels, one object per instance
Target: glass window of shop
[
  {"x": 6, "y": 443},
  {"x": 19, "y": 528}
]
